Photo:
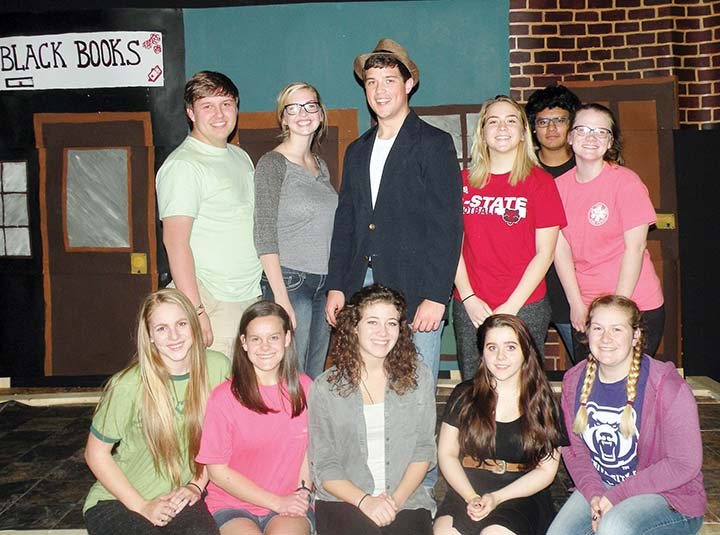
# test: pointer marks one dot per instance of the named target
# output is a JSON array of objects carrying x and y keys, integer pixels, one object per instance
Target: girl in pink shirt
[
  {"x": 254, "y": 439},
  {"x": 602, "y": 250}
]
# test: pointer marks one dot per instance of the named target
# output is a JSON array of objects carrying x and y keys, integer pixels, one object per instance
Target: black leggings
[
  {"x": 334, "y": 518},
  {"x": 110, "y": 517}
]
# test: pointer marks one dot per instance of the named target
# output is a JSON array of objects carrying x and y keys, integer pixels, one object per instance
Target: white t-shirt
[
  {"x": 379, "y": 155},
  {"x": 375, "y": 429}
]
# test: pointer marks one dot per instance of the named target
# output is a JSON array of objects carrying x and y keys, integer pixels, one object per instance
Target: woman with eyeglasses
[
  {"x": 602, "y": 250},
  {"x": 294, "y": 211},
  {"x": 511, "y": 218}
]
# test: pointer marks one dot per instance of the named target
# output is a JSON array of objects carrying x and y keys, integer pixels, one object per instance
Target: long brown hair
[
  {"x": 627, "y": 425},
  {"x": 244, "y": 385},
  {"x": 400, "y": 364},
  {"x": 156, "y": 406},
  {"x": 540, "y": 415}
]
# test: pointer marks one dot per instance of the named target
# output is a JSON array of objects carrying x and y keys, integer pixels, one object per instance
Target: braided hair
[{"x": 627, "y": 425}]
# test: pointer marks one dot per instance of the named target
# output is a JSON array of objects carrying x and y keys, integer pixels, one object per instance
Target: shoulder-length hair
[
  {"x": 525, "y": 158},
  {"x": 540, "y": 415},
  {"x": 614, "y": 153},
  {"x": 156, "y": 405},
  {"x": 282, "y": 101},
  {"x": 400, "y": 364},
  {"x": 244, "y": 385},
  {"x": 627, "y": 424}
]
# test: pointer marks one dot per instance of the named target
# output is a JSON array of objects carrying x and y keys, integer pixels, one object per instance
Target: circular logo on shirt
[{"x": 598, "y": 214}]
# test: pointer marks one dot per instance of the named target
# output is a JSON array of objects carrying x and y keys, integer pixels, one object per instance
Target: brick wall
[{"x": 556, "y": 40}]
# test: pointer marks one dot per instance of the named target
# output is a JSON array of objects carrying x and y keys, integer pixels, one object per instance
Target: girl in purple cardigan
[{"x": 635, "y": 452}]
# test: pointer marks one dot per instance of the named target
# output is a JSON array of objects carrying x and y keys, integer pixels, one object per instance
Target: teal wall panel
[{"x": 460, "y": 46}]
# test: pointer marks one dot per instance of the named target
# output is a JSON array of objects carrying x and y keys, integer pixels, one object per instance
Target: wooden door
[
  {"x": 97, "y": 207},
  {"x": 647, "y": 114}
]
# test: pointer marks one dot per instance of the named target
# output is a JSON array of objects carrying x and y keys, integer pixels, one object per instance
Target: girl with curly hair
[
  {"x": 146, "y": 429},
  {"x": 635, "y": 452},
  {"x": 500, "y": 439},
  {"x": 372, "y": 422}
]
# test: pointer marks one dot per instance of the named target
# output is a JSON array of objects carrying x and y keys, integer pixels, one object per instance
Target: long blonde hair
[
  {"x": 282, "y": 100},
  {"x": 163, "y": 434},
  {"x": 627, "y": 425},
  {"x": 525, "y": 158}
]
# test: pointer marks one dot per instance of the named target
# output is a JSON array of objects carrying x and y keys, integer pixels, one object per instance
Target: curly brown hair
[{"x": 400, "y": 364}]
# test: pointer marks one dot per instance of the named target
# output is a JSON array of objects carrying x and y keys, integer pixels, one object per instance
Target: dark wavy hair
[
  {"x": 554, "y": 96},
  {"x": 381, "y": 61},
  {"x": 540, "y": 416},
  {"x": 400, "y": 364},
  {"x": 244, "y": 384},
  {"x": 614, "y": 153}
]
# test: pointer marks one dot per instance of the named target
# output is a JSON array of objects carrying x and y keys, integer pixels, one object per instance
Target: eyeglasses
[
  {"x": 547, "y": 121},
  {"x": 599, "y": 132},
  {"x": 309, "y": 107}
]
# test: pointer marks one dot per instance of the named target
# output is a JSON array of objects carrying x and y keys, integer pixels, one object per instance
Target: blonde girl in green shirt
[{"x": 146, "y": 430}]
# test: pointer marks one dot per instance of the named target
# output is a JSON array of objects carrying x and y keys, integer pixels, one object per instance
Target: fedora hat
[{"x": 388, "y": 47}]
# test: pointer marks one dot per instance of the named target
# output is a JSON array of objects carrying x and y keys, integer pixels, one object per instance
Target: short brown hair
[{"x": 208, "y": 84}]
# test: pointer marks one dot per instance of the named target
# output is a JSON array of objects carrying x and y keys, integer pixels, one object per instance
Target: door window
[{"x": 14, "y": 221}]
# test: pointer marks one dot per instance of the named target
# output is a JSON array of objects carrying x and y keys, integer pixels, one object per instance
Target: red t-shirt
[{"x": 500, "y": 222}]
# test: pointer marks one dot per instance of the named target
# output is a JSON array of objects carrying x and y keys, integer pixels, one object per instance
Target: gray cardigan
[{"x": 338, "y": 440}]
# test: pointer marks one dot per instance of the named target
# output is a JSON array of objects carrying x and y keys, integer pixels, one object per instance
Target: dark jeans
[
  {"x": 110, "y": 517},
  {"x": 536, "y": 315},
  {"x": 336, "y": 518},
  {"x": 653, "y": 321},
  {"x": 312, "y": 333}
]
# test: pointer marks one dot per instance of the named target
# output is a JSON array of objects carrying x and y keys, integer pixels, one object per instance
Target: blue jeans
[
  {"x": 644, "y": 514},
  {"x": 312, "y": 333},
  {"x": 223, "y": 516}
]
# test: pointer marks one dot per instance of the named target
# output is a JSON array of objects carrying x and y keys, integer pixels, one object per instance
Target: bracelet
[
  {"x": 200, "y": 309},
  {"x": 472, "y": 498},
  {"x": 361, "y": 500},
  {"x": 196, "y": 486},
  {"x": 468, "y": 297}
]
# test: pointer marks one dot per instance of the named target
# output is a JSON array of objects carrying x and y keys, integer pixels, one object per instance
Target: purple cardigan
[{"x": 669, "y": 449}]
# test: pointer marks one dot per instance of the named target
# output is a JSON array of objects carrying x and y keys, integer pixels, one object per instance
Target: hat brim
[{"x": 359, "y": 65}]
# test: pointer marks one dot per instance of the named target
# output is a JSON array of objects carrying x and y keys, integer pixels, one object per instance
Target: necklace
[{"x": 372, "y": 402}]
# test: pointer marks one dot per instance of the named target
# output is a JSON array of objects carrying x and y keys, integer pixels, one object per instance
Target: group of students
[{"x": 272, "y": 451}]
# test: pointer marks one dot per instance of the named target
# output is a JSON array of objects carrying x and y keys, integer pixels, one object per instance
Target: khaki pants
[{"x": 224, "y": 319}]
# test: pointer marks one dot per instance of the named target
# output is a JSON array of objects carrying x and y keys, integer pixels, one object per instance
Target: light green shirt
[
  {"x": 215, "y": 187},
  {"x": 117, "y": 421}
]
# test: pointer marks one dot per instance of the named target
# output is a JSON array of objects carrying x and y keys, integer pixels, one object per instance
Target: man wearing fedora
[{"x": 398, "y": 220}]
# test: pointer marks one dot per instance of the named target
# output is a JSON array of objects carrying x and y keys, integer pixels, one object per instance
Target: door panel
[
  {"x": 647, "y": 114},
  {"x": 97, "y": 207}
]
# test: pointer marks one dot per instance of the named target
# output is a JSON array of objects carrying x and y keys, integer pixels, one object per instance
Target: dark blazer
[{"x": 415, "y": 231}]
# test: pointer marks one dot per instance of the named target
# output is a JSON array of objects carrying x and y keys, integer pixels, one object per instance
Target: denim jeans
[
  {"x": 223, "y": 516},
  {"x": 312, "y": 333},
  {"x": 646, "y": 514}
]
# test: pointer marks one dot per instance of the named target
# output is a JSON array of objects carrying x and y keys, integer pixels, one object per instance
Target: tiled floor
[{"x": 44, "y": 480}]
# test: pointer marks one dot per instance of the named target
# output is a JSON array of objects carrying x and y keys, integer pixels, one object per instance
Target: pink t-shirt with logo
[
  {"x": 268, "y": 449},
  {"x": 599, "y": 212},
  {"x": 499, "y": 221}
]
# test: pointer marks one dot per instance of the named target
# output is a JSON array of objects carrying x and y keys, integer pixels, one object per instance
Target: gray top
[
  {"x": 338, "y": 439},
  {"x": 294, "y": 213}
]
